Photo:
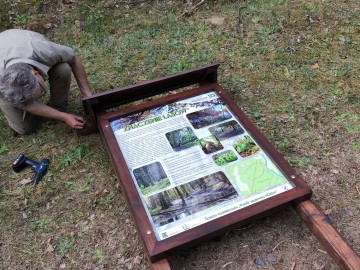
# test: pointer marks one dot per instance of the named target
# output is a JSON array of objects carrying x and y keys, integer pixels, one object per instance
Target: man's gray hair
[{"x": 19, "y": 84}]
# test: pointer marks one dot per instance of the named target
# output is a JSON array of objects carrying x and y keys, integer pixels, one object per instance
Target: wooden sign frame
[{"x": 206, "y": 78}]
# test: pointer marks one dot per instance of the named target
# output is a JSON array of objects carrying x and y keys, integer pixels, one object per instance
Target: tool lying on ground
[{"x": 39, "y": 168}]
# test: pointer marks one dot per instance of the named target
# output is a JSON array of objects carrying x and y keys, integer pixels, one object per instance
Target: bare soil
[{"x": 292, "y": 66}]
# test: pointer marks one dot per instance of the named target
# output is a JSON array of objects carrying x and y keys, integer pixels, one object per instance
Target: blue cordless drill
[{"x": 38, "y": 168}]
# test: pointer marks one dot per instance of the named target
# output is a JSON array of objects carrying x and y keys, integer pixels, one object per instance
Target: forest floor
[{"x": 293, "y": 68}]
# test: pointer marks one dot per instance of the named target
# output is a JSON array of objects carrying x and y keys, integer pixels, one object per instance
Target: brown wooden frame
[{"x": 95, "y": 107}]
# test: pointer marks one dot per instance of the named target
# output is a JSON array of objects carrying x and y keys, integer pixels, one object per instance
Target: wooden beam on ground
[
  {"x": 333, "y": 242},
  {"x": 160, "y": 265}
]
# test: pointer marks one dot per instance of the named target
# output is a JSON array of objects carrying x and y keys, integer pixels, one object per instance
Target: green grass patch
[
  {"x": 75, "y": 154},
  {"x": 41, "y": 224},
  {"x": 296, "y": 79},
  {"x": 97, "y": 255},
  {"x": 63, "y": 247}
]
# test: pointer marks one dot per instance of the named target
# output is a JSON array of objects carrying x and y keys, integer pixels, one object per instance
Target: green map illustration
[{"x": 253, "y": 175}]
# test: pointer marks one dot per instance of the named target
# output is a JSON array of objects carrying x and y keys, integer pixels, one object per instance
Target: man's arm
[
  {"x": 80, "y": 76},
  {"x": 40, "y": 109}
]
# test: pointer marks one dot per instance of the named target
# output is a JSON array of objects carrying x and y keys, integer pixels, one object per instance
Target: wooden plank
[
  {"x": 160, "y": 265},
  {"x": 120, "y": 96},
  {"x": 333, "y": 242},
  {"x": 109, "y": 99}
]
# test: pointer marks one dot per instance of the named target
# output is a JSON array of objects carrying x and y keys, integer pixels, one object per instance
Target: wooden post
[
  {"x": 160, "y": 265},
  {"x": 333, "y": 242}
]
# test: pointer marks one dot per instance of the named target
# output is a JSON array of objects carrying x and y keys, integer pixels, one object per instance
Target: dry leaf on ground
[{"x": 216, "y": 20}]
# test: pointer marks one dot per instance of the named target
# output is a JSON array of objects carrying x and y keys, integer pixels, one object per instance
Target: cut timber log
[
  {"x": 332, "y": 241},
  {"x": 160, "y": 265}
]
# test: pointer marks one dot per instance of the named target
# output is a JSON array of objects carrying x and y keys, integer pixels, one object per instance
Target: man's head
[{"x": 21, "y": 84}]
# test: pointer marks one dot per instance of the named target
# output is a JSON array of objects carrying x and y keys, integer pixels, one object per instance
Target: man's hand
[
  {"x": 40, "y": 109},
  {"x": 74, "y": 121}
]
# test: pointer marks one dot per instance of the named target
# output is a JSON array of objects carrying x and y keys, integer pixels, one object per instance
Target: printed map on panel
[{"x": 254, "y": 175}]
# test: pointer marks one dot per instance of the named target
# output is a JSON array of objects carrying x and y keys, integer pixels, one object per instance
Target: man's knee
[
  {"x": 60, "y": 71},
  {"x": 18, "y": 120},
  {"x": 26, "y": 125}
]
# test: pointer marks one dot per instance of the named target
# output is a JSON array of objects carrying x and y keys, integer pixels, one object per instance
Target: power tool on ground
[{"x": 39, "y": 168}]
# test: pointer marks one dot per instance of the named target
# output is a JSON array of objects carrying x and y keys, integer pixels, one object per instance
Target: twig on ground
[
  {"x": 240, "y": 24},
  {"x": 226, "y": 264},
  {"x": 322, "y": 251},
  {"x": 85, "y": 5},
  {"x": 129, "y": 2},
  {"x": 293, "y": 266},
  {"x": 357, "y": 189},
  {"x": 278, "y": 245},
  {"x": 192, "y": 9}
]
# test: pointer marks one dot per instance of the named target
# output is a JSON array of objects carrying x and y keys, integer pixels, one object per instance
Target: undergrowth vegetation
[{"x": 292, "y": 66}]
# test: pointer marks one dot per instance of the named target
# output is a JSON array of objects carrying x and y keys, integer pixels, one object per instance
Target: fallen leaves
[
  {"x": 313, "y": 19},
  {"x": 317, "y": 266},
  {"x": 216, "y": 21},
  {"x": 50, "y": 25},
  {"x": 24, "y": 182},
  {"x": 49, "y": 247},
  {"x": 282, "y": 118},
  {"x": 137, "y": 260},
  {"x": 77, "y": 24},
  {"x": 315, "y": 66},
  {"x": 130, "y": 263}
]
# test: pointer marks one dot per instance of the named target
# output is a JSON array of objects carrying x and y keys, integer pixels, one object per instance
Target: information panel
[{"x": 192, "y": 161}]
